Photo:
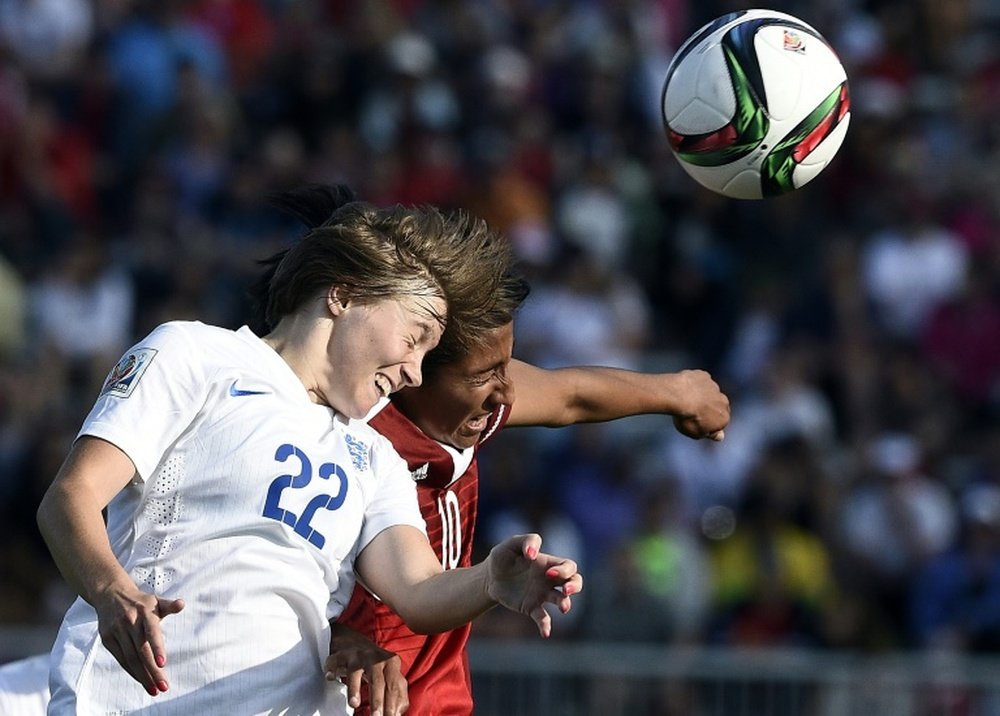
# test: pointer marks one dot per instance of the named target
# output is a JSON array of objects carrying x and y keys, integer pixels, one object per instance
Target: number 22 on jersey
[{"x": 302, "y": 523}]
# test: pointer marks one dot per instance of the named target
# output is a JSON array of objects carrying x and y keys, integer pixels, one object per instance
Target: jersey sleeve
[
  {"x": 150, "y": 397},
  {"x": 395, "y": 498},
  {"x": 393, "y": 503}
]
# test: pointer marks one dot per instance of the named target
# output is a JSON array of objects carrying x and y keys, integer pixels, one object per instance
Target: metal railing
[{"x": 581, "y": 679}]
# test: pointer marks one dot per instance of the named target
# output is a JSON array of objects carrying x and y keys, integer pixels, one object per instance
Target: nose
[
  {"x": 503, "y": 391},
  {"x": 411, "y": 373}
]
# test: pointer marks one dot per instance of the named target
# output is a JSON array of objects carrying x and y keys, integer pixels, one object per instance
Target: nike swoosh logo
[{"x": 236, "y": 392}]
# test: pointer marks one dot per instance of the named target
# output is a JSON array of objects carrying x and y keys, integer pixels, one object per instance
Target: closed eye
[{"x": 484, "y": 378}]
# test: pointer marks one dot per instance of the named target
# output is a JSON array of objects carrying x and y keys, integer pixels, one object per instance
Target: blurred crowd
[{"x": 855, "y": 323}]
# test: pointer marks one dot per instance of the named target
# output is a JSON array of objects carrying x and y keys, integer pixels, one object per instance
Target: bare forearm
[
  {"x": 71, "y": 524},
  {"x": 566, "y": 396},
  {"x": 446, "y": 600},
  {"x": 400, "y": 567},
  {"x": 588, "y": 394},
  {"x": 601, "y": 394}
]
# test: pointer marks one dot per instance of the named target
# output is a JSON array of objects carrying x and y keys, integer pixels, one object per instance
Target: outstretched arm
[
  {"x": 590, "y": 394},
  {"x": 402, "y": 569},
  {"x": 71, "y": 523}
]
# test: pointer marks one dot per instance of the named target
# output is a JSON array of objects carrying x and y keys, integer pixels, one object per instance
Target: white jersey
[
  {"x": 250, "y": 502},
  {"x": 24, "y": 686}
]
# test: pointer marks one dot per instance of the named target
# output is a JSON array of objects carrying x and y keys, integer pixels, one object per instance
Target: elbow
[
  {"x": 43, "y": 516},
  {"x": 49, "y": 515},
  {"x": 422, "y": 623}
]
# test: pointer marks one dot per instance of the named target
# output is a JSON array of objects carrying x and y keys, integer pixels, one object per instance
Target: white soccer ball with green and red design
[{"x": 755, "y": 104}]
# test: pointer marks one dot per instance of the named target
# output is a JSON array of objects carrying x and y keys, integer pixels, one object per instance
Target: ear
[{"x": 337, "y": 300}]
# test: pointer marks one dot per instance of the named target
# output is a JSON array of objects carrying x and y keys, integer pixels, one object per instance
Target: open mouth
[
  {"x": 477, "y": 424},
  {"x": 383, "y": 385}
]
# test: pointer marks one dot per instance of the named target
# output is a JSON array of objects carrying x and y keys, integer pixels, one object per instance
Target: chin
[{"x": 464, "y": 440}]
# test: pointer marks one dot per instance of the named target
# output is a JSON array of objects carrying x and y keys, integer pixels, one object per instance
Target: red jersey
[{"x": 435, "y": 666}]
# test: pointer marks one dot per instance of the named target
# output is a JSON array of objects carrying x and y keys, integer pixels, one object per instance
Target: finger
[
  {"x": 151, "y": 659},
  {"x": 573, "y": 585},
  {"x": 123, "y": 649},
  {"x": 354, "y": 688},
  {"x": 564, "y": 603},
  {"x": 334, "y": 670},
  {"x": 397, "y": 699},
  {"x": 153, "y": 633},
  {"x": 166, "y": 607},
  {"x": 543, "y": 620},
  {"x": 531, "y": 545},
  {"x": 562, "y": 570},
  {"x": 718, "y": 436},
  {"x": 376, "y": 689}
]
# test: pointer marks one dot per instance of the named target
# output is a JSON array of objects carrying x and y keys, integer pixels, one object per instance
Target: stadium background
[{"x": 854, "y": 323}]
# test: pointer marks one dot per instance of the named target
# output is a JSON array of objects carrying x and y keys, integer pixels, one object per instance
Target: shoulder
[
  {"x": 193, "y": 331},
  {"x": 360, "y": 436},
  {"x": 185, "y": 335},
  {"x": 400, "y": 431}
]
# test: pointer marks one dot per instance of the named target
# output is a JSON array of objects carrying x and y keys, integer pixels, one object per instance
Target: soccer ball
[{"x": 755, "y": 104}]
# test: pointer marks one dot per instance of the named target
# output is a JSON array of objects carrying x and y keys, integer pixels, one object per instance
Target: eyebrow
[
  {"x": 490, "y": 368},
  {"x": 425, "y": 329}
]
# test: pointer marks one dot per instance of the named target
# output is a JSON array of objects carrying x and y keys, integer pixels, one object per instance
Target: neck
[{"x": 298, "y": 340}]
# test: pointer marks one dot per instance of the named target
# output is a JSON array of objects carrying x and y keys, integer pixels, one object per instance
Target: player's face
[
  {"x": 453, "y": 405},
  {"x": 376, "y": 349}
]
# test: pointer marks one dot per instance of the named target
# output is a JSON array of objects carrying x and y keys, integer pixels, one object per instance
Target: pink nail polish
[
  {"x": 532, "y": 552},
  {"x": 160, "y": 660},
  {"x": 552, "y": 572},
  {"x": 162, "y": 685}
]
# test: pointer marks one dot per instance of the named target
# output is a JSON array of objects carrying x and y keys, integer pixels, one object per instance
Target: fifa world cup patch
[{"x": 123, "y": 377}]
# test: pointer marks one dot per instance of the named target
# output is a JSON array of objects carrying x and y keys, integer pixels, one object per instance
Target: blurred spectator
[
  {"x": 912, "y": 266},
  {"x": 772, "y": 578},
  {"x": 960, "y": 339},
  {"x": 661, "y": 569},
  {"x": 892, "y": 520},
  {"x": 590, "y": 314},
  {"x": 597, "y": 488},
  {"x": 13, "y": 312},
  {"x": 81, "y": 308},
  {"x": 46, "y": 37},
  {"x": 955, "y": 602}
]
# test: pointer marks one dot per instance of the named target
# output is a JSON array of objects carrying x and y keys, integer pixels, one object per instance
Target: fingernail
[
  {"x": 532, "y": 552},
  {"x": 552, "y": 572},
  {"x": 151, "y": 691},
  {"x": 161, "y": 660},
  {"x": 162, "y": 685}
]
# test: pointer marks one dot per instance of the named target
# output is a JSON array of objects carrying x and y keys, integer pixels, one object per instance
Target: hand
[
  {"x": 353, "y": 657},
  {"x": 705, "y": 412},
  {"x": 129, "y": 624},
  {"x": 523, "y": 579}
]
